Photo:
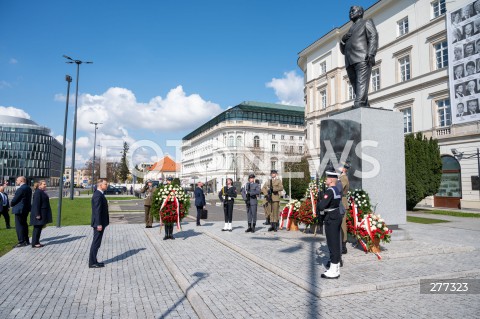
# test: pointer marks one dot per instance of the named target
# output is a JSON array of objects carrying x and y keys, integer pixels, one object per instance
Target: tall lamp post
[
  {"x": 461, "y": 155},
  {"x": 68, "y": 78},
  {"x": 94, "y": 148},
  {"x": 206, "y": 172},
  {"x": 74, "y": 142}
]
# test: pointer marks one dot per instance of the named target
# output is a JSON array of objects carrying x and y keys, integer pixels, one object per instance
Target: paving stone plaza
[{"x": 206, "y": 273}]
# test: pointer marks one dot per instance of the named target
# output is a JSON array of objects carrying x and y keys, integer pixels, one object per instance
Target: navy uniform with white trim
[{"x": 328, "y": 208}]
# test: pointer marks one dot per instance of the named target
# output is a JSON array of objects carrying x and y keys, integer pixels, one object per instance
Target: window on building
[
  {"x": 274, "y": 164},
  {"x": 291, "y": 149},
  {"x": 375, "y": 79},
  {"x": 273, "y": 136},
  {"x": 402, "y": 26},
  {"x": 407, "y": 120},
  {"x": 323, "y": 67},
  {"x": 300, "y": 149},
  {"x": 444, "y": 112},
  {"x": 323, "y": 98},
  {"x": 256, "y": 142},
  {"x": 239, "y": 141},
  {"x": 438, "y": 8},
  {"x": 282, "y": 137},
  {"x": 351, "y": 92},
  {"x": 231, "y": 141},
  {"x": 300, "y": 138},
  {"x": 441, "y": 54},
  {"x": 291, "y": 137},
  {"x": 274, "y": 147},
  {"x": 404, "y": 65}
]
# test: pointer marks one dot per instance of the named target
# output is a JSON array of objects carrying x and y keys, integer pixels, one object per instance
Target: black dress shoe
[
  {"x": 101, "y": 264},
  {"x": 20, "y": 245},
  {"x": 95, "y": 266},
  {"x": 38, "y": 246}
]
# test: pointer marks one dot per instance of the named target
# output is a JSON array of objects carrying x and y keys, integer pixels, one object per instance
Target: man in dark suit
[
  {"x": 21, "y": 206},
  {"x": 472, "y": 107},
  {"x": 461, "y": 110},
  {"x": 5, "y": 205},
  {"x": 100, "y": 221},
  {"x": 199, "y": 201},
  {"x": 359, "y": 45}
]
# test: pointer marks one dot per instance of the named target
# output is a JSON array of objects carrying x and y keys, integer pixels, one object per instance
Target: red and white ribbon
[
  {"x": 313, "y": 202},
  {"x": 357, "y": 225},
  {"x": 288, "y": 216}
]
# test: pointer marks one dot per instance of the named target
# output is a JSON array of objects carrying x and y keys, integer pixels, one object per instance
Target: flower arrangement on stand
[
  {"x": 287, "y": 216},
  {"x": 308, "y": 207},
  {"x": 170, "y": 204},
  {"x": 369, "y": 228}
]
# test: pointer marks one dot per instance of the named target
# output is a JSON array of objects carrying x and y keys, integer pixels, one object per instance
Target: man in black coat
[
  {"x": 199, "y": 201},
  {"x": 4, "y": 206},
  {"x": 21, "y": 206},
  {"x": 359, "y": 45},
  {"x": 100, "y": 221},
  {"x": 41, "y": 214}
]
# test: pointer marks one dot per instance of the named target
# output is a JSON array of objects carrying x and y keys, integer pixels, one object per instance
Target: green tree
[
  {"x": 299, "y": 185},
  {"x": 124, "y": 171},
  {"x": 423, "y": 168}
]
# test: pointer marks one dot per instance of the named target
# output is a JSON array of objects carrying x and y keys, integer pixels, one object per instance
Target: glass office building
[{"x": 28, "y": 149}]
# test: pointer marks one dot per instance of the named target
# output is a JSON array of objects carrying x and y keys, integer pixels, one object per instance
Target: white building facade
[
  {"x": 252, "y": 137},
  {"x": 410, "y": 76}
]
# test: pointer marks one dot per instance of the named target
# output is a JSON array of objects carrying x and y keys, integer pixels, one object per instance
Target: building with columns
[
  {"x": 252, "y": 137},
  {"x": 410, "y": 76}
]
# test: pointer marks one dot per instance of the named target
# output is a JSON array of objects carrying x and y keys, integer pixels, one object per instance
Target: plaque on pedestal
[{"x": 373, "y": 141}]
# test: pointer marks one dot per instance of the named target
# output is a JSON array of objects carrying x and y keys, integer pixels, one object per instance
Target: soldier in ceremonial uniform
[
  {"x": 227, "y": 196},
  {"x": 328, "y": 209},
  {"x": 249, "y": 193},
  {"x": 148, "y": 189},
  {"x": 271, "y": 189},
  {"x": 345, "y": 188}
]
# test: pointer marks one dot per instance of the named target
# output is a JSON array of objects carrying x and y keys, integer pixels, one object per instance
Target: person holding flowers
[
  {"x": 328, "y": 209},
  {"x": 170, "y": 205}
]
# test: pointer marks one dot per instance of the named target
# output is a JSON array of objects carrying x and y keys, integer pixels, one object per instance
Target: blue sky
[{"x": 161, "y": 68}]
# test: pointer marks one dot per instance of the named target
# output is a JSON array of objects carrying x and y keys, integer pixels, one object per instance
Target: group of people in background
[{"x": 22, "y": 205}]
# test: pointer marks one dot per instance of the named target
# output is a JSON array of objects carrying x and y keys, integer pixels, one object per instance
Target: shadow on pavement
[
  {"x": 291, "y": 249},
  {"x": 200, "y": 276},
  {"x": 187, "y": 233},
  {"x": 266, "y": 238},
  {"x": 54, "y": 238},
  {"x": 124, "y": 255},
  {"x": 208, "y": 224},
  {"x": 66, "y": 240}
]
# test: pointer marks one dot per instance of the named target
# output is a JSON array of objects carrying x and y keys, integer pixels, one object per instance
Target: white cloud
[
  {"x": 13, "y": 61},
  {"x": 83, "y": 142},
  {"x": 289, "y": 89},
  {"x": 13, "y": 111},
  {"x": 119, "y": 110},
  {"x": 4, "y": 84}
]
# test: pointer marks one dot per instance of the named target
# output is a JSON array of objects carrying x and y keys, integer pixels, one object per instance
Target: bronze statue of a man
[{"x": 359, "y": 45}]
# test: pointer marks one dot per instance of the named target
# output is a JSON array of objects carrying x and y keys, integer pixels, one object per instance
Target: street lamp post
[
  {"x": 68, "y": 78},
  {"x": 94, "y": 148},
  {"x": 74, "y": 142},
  {"x": 206, "y": 172}
]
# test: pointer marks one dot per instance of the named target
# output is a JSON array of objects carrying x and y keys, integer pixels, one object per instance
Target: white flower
[
  {"x": 379, "y": 225},
  {"x": 380, "y": 220},
  {"x": 386, "y": 228},
  {"x": 373, "y": 227},
  {"x": 378, "y": 215},
  {"x": 363, "y": 195}
]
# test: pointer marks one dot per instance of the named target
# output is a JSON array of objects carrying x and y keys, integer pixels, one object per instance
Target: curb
[
  {"x": 321, "y": 293},
  {"x": 197, "y": 303}
]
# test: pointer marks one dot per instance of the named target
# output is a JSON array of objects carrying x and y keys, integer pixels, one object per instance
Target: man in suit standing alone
[
  {"x": 199, "y": 201},
  {"x": 5, "y": 205},
  {"x": 359, "y": 45},
  {"x": 100, "y": 221},
  {"x": 21, "y": 206}
]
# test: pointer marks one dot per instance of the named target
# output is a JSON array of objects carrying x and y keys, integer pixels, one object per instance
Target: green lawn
[
  {"x": 449, "y": 213},
  {"x": 74, "y": 212},
  {"x": 421, "y": 220}
]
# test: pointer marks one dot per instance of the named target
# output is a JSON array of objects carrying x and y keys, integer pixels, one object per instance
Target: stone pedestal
[{"x": 373, "y": 141}]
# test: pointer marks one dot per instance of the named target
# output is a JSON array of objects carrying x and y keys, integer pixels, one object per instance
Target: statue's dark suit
[{"x": 362, "y": 43}]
